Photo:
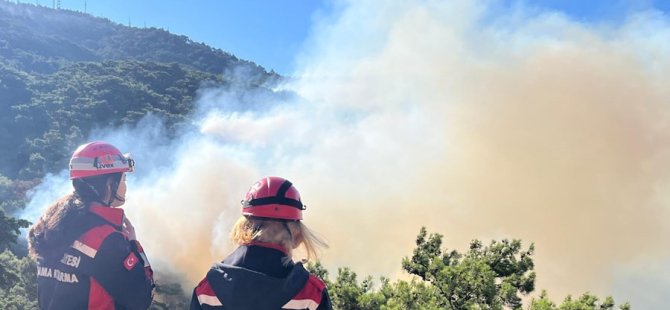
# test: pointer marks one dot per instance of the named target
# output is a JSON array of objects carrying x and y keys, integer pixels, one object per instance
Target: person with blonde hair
[
  {"x": 86, "y": 251},
  {"x": 260, "y": 273}
]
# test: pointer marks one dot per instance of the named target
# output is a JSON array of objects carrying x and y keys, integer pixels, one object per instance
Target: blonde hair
[{"x": 250, "y": 229}]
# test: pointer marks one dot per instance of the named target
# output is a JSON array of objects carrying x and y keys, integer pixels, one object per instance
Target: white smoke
[
  {"x": 475, "y": 120},
  {"x": 53, "y": 186}
]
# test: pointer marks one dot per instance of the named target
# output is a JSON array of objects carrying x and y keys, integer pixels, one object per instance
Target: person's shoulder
[
  {"x": 316, "y": 281},
  {"x": 313, "y": 282},
  {"x": 93, "y": 239},
  {"x": 100, "y": 233},
  {"x": 310, "y": 296}
]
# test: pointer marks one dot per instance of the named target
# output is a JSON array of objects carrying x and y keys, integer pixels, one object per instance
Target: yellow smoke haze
[{"x": 476, "y": 123}]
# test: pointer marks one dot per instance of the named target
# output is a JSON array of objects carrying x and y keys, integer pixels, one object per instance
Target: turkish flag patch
[{"x": 130, "y": 261}]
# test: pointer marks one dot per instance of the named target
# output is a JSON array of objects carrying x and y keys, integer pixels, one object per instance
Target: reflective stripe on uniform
[
  {"x": 209, "y": 300},
  {"x": 145, "y": 259},
  {"x": 206, "y": 295},
  {"x": 301, "y": 304},
  {"x": 90, "y": 242},
  {"x": 89, "y": 251},
  {"x": 309, "y": 297}
]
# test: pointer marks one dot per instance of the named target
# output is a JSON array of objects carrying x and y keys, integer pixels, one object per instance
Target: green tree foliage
[
  {"x": 10, "y": 229},
  {"x": 347, "y": 293},
  {"x": 9, "y": 232},
  {"x": 587, "y": 301},
  {"x": 13, "y": 193},
  {"x": 68, "y": 104},
  {"x": 18, "y": 287},
  {"x": 484, "y": 277}
]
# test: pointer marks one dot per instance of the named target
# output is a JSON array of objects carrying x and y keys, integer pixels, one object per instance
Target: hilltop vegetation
[
  {"x": 63, "y": 73},
  {"x": 39, "y": 39},
  {"x": 52, "y": 114}
]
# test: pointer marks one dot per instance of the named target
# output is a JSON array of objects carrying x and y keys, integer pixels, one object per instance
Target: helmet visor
[{"x": 128, "y": 160}]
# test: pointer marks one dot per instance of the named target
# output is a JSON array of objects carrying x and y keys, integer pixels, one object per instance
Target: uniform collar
[
  {"x": 268, "y": 245},
  {"x": 112, "y": 215}
]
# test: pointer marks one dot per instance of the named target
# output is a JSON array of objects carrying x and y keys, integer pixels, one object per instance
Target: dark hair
[{"x": 53, "y": 232}]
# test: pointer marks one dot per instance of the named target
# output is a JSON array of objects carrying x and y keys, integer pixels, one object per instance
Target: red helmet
[
  {"x": 98, "y": 158},
  {"x": 273, "y": 197}
]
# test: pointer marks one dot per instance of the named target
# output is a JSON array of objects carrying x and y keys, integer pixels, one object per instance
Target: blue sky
[
  {"x": 270, "y": 33},
  {"x": 266, "y": 32}
]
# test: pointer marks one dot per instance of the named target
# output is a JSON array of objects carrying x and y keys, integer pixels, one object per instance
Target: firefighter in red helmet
[
  {"x": 260, "y": 273},
  {"x": 86, "y": 251}
]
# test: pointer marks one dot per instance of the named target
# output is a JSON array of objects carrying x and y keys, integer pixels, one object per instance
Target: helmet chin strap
[
  {"x": 114, "y": 194},
  {"x": 95, "y": 191}
]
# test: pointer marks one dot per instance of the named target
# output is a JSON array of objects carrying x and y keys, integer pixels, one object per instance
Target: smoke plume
[{"x": 477, "y": 120}]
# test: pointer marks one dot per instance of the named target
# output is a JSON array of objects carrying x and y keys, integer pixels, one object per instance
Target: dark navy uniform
[
  {"x": 102, "y": 269},
  {"x": 255, "y": 277}
]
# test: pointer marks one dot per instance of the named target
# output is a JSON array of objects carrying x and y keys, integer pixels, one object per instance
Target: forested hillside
[
  {"x": 56, "y": 64},
  {"x": 42, "y": 40},
  {"x": 65, "y": 73}
]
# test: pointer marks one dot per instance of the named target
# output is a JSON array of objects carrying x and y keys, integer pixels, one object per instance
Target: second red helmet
[{"x": 273, "y": 197}]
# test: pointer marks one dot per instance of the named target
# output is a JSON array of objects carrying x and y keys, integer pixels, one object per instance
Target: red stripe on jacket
[
  {"x": 94, "y": 237},
  {"x": 309, "y": 297},
  {"x": 206, "y": 295},
  {"x": 312, "y": 289},
  {"x": 98, "y": 298}
]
